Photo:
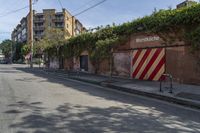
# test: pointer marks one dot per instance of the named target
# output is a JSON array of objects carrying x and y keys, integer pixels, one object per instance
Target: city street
[{"x": 40, "y": 103}]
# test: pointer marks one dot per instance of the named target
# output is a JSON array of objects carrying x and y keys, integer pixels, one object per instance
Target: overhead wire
[
  {"x": 59, "y": 1},
  {"x": 14, "y": 11},
  {"x": 89, "y": 8},
  {"x": 77, "y": 14},
  {"x": 7, "y": 6},
  {"x": 83, "y": 6}
]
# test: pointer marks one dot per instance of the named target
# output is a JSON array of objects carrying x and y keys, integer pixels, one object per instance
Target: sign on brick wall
[{"x": 148, "y": 64}]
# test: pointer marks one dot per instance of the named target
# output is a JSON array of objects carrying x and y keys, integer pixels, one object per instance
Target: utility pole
[
  {"x": 72, "y": 26},
  {"x": 11, "y": 57},
  {"x": 31, "y": 32}
]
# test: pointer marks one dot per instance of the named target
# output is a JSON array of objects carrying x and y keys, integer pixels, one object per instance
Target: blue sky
[{"x": 117, "y": 11}]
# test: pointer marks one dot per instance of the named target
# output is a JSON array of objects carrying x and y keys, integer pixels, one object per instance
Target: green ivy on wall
[{"x": 182, "y": 24}]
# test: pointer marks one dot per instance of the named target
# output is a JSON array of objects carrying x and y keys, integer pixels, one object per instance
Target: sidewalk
[{"x": 188, "y": 95}]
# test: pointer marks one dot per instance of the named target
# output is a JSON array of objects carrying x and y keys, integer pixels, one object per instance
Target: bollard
[{"x": 171, "y": 82}]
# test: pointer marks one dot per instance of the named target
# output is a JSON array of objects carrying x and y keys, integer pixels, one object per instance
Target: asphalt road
[{"x": 41, "y": 103}]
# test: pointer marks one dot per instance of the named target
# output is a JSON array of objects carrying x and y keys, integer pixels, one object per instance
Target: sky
[{"x": 111, "y": 11}]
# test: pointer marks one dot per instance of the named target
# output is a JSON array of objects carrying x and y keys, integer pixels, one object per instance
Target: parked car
[{"x": 4, "y": 62}]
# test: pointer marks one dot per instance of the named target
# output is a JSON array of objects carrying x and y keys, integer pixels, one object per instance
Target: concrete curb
[
  {"x": 84, "y": 80},
  {"x": 171, "y": 99}
]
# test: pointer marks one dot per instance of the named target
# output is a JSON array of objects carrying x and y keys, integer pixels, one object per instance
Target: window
[{"x": 24, "y": 31}]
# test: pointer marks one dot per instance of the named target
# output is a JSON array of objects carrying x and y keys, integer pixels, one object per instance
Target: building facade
[
  {"x": 20, "y": 32},
  {"x": 186, "y": 3},
  {"x": 146, "y": 57},
  {"x": 49, "y": 18}
]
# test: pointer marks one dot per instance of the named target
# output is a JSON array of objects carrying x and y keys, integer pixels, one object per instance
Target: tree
[
  {"x": 25, "y": 49},
  {"x": 53, "y": 40},
  {"x": 6, "y": 46},
  {"x": 17, "y": 51},
  {"x": 102, "y": 52},
  {"x": 52, "y": 43}
]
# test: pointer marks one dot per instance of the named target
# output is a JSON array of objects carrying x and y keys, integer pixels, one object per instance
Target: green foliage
[
  {"x": 54, "y": 37},
  {"x": 53, "y": 40},
  {"x": 161, "y": 22},
  {"x": 168, "y": 24},
  {"x": 17, "y": 51},
  {"x": 75, "y": 45},
  {"x": 6, "y": 47},
  {"x": 25, "y": 49},
  {"x": 102, "y": 51},
  {"x": 9, "y": 47},
  {"x": 194, "y": 39}
]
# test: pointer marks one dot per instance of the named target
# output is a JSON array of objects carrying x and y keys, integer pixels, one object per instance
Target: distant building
[
  {"x": 49, "y": 18},
  {"x": 186, "y": 3}
]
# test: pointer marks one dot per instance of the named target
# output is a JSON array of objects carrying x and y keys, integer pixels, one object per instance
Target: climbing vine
[{"x": 172, "y": 24}]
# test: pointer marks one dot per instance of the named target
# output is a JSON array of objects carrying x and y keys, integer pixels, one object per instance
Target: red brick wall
[
  {"x": 122, "y": 64},
  {"x": 179, "y": 61},
  {"x": 182, "y": 65}
]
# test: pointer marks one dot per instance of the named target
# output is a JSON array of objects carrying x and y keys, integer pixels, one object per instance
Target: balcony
[
  {"x": 59, "y": 26},
  {"x": 38, "y": 28},
  {"x": 58, "y": 19},
  {"x": 39, "y": 20},
  {"x": 38, "y": 35}
]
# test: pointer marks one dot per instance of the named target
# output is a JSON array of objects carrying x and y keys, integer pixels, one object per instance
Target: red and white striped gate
[{"x": 148, "y": 64}]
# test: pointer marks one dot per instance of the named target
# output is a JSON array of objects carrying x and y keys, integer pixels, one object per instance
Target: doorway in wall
[{"x": 84, "y": 62}]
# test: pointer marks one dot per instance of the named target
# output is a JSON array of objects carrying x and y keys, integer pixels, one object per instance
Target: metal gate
[{"x": 148, "y": 64}]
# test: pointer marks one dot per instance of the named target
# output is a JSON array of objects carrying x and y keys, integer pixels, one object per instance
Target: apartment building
[
  {"x": 20, "y": 32},
  {"x": 186, "y": 3},
  {"x": 49, "y": 18}
]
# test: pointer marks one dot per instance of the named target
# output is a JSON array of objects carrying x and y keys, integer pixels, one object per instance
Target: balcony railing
[
  {"x": 60, "y": 19},
  {"x": 59, "y": 26},
  {"x": 38, "y": 19},
  {"x": 38, "y": 35},
  {"x": 38, "y": 27}
]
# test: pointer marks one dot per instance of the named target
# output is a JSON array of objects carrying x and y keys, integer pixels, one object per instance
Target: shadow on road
[
  {"x": 87, "y": 119},
  {"x": 76, "y": 119}
]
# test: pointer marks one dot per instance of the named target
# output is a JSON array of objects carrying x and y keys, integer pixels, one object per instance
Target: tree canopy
[{"x": 6, "y": 47}]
